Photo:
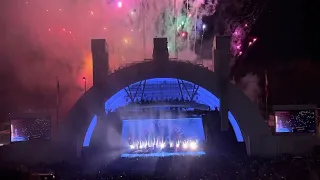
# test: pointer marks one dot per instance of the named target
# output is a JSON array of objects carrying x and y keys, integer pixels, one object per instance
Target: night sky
[
  {"x": 287, "y": 31},
  {"x": 288, "y": 50}
]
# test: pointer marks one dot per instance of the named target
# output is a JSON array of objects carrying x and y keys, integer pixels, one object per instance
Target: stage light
[
  {"x": 171, "y": 144},
  {"x": 204, "y": 27},
  {"x": 193, "y": 145},
  {"x": 177, "y": 145},
  {"x": 185, "y": 145},
  {"x": 162, "y": 145},
  {"x": 131, "y": 146}
]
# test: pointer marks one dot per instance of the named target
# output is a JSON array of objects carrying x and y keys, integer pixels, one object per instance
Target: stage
[
  {"x": 182, "y": 136},
  {"x": 164, "y": 154}
]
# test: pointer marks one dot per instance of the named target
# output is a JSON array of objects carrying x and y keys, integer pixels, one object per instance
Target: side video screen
[
  {"x": 25, "y": 129},
  {"x": 296, "y": 121}
]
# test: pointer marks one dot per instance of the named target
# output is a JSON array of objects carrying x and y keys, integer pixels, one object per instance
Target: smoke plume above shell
[{"x": 45, "y": 39}]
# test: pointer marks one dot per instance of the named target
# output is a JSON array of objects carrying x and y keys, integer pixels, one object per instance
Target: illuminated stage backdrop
[{"x": 163, "y": 137}]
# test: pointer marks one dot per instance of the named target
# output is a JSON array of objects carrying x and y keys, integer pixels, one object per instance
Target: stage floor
[{"x": 164, "y": 154}]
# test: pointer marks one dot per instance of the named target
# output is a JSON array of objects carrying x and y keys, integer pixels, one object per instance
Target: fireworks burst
[
  {"x": 59, "y": 32},
  {"x": 131, "y": 24}
]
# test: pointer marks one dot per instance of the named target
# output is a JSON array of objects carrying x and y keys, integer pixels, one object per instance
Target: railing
[
  {"x": 130, "y": 64},
  {"x": 196, "y": 63},
  {"x": 175, "y": 104}
]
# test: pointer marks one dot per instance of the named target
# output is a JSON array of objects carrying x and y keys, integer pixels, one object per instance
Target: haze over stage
[{"x": 163, "y": 137}]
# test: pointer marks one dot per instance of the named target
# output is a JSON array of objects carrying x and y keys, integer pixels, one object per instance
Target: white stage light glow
[
  {"x": 162, "y": 145},
  {"x": 177, "y": 145},
  {"x": 185, "y": 145},
  {"x": 193, "y": 145},
  {"x": 131, "y": 146}
]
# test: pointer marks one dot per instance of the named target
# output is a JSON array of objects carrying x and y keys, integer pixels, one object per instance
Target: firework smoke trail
[
  {"x": 250, "y": 86},
  {"x": 44, "y": 39}
]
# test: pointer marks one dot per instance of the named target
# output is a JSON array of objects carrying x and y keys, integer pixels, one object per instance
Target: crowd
[{"x": 224, "y": 167}]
